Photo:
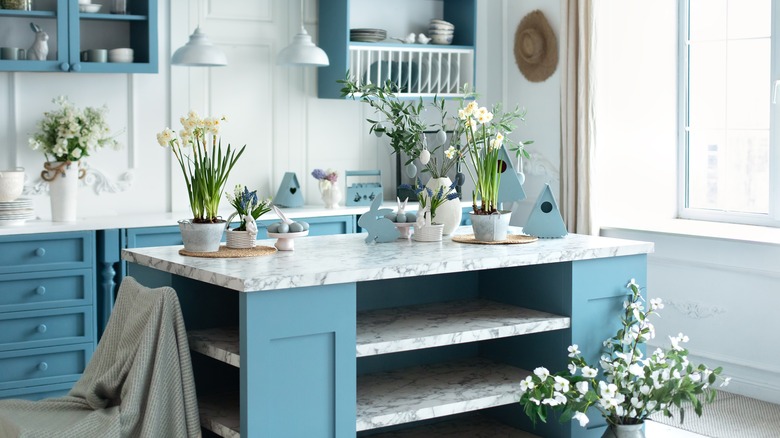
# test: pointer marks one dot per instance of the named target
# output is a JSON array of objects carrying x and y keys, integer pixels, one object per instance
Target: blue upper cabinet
[
  {"x": 416, "y": 69},
  {"x": 72, "y": 32}
]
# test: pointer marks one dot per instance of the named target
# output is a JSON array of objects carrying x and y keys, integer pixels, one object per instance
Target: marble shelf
[
  {"x": 219, "y": 413},
  {"x": 455, "y": 322},
  {"x": 472, "y": 425},
  {"x": 433, "y": 391},
  {"x": 217, "y": 343}
]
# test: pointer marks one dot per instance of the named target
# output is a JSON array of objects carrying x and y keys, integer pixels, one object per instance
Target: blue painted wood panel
[
  {"x": 47, "y": 252},
  {"x": 43, "y": 366},
  {"x": 300, "y": 346},
  {"x": 43, "y": 328}
]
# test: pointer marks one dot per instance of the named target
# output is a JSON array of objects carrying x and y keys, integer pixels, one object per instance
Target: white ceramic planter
[
  {"x": 63, "y": 192},
  {"x": 449, "y": 213},
  {"x": 490, "y": 227},
  {"x": 201, "y": 237}
]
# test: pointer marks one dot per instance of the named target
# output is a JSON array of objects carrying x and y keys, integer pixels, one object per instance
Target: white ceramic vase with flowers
[
  {"x": 329, "y": 189},
  {"x": 66, "y": 136}
]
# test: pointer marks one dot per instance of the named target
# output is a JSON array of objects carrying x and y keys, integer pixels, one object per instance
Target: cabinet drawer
[
  {"x": 42, "y": 290},
  {"x": 38, "y": 392},
  {"x": 43, "y": 366},
  {"x": 26, "y": 253},
  {"x": 42, "y": 328}
]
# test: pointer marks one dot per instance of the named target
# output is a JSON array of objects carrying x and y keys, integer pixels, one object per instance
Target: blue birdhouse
[
  {"x": 511, "y": 188},
  {"x": 289, "y": 193},
  {"x": 545, "y": 220}
]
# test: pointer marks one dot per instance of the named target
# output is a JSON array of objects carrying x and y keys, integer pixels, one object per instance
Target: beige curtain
[{"x": 577, "y": 122}]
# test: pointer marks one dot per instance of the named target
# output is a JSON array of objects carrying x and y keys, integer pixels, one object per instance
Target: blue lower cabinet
[{"x": 36, "y": 370}]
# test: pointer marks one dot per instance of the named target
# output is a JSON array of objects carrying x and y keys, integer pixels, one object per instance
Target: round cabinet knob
[
  {"x": 43, "y": 366},
  {"x": 75, "y": 67},
  {"x": 40, "y": 252},
  {"x": 40, "y": 290},
  {"x": 42, "y": 328},
  {"x": 64, "y": 66}
]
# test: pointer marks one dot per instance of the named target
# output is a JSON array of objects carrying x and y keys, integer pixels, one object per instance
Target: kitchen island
[{"x": 340, "y": 337}]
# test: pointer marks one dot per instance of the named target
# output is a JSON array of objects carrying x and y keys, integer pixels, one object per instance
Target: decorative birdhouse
[
  {"x": 545, "y": 220},
  {"x": 289, "y": 193},
  {"x": 511, "y": 188}
]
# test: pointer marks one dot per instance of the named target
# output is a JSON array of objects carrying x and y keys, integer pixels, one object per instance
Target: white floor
[{"x": 658, "y": 430}]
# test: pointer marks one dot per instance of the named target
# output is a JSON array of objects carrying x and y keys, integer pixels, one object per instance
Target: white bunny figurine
[{"x": 40, "y": 47}]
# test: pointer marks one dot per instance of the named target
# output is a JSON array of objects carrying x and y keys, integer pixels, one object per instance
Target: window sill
[{"x": 706, "y": 229}]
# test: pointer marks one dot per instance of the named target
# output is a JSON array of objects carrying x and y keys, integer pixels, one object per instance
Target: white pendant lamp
[
  {"x": 302, "y": 51},
  {"x": 199, "y": 51}
]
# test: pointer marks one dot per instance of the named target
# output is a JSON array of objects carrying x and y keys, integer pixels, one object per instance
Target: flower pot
[
  {"x": 240, "y": 239},
  {"x": 624, "y": 431},
  {"x": 63, "y": 178},
  {"x": 428, "y": 233},
  {"x": 449, "y": 213},
  {"x": 490, "y": 227},
  {"x": 201, "y": 237}
]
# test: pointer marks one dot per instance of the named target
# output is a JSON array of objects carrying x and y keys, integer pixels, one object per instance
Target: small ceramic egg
[
  {"x": 411, "y": 217},
  {"x": 273, "y": 228},
  {"x": 391, "y": 217},
  {"x": 425, "y": 156},
  {"x": 379, "y": 129},
  {"x": 283, "y": 227},
  {"x": 441, "y": 137},
  {"x": 305, "y": 225},
  {"x": 296, "y": 227},
  {"x": 401, "y": 217}
]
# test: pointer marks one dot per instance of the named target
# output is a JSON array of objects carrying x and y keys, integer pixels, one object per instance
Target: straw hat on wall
[{"x": 536, "y": 48}]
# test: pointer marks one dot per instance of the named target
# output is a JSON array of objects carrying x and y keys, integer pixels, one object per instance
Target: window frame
[{"x": 772, "y": 217}]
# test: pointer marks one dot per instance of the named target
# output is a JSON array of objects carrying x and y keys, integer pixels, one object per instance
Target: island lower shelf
[{"x": 408, "y": 394}]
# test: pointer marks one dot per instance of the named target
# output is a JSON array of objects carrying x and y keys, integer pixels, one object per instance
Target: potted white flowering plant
[
  {"x": 426, "y": 228},
  {"x": 485, "y": 134},
  {"x": 626, "y": 388},
  {"x": 205, "y": 165},
  {"x": 248, "y": 208},
  {"x": 66, "y": 136}
]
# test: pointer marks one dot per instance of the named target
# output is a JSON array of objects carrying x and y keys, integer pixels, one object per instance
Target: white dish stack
[
  {"x": 441, "y": 32},
  {"x": 13, "y": 209}
]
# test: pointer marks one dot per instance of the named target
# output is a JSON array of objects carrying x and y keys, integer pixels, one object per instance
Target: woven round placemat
[
  {"x": 510, "y": 239},
  {"x": 231, "y": 253}
]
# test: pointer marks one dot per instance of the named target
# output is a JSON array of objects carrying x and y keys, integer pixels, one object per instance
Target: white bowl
[
  {"x": 85, "y": 2},
  {"x": 120, "y": 55},
  {"x": 89, "y": 8},
  {"x": 441, "y": 39},
  {"x": 11, "y": 184},
  {"x": 441, "y": 22},
  {"x": 440, "y": 32},
  {"x": 433, "y": 26}
]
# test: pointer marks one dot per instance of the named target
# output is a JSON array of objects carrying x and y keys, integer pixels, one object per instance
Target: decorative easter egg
[
  {"x": 441, "y": 137},
  {"x": 296, "y": 227},
  {"x": 411, "y": 170},
  {"x": 425, "y": 156},
  {"x": 283, "y": 228},
  {"x": 391, "y": 217},
  {"x": 379, "y": 129},
  {"x": 273, "y": 228},
  {"x": 400, "y": 217},
  {"x": 305, "y": 225},
  {"x": 411, "y": 217},
  {"x": 460, "y": 178}
]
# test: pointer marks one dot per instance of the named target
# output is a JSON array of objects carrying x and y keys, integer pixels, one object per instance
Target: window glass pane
[
  {"x": 749, "y": 18},
  {"x": 707, "y": 85},
  {"x": 704, "y": 186},
  {"x": 708, "y": 20},
  {"x": 749, "y": 85}
]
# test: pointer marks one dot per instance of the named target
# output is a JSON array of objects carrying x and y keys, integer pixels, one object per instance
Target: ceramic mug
[
  {"x": 11, "y": 53},
  {"x": 94, "y": 55}
]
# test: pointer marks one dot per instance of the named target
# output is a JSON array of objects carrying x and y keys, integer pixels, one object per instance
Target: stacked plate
[
  {"x": 367, "y": 35},
  {"x": 16, "y": 212}
]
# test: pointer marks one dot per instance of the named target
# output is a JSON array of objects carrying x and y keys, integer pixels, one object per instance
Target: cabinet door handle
[
  {"x": 42, "y": 328},
  {"x": 40, "y": 252},
  {"x": 40, "y": 290},
  {"x": 64, "y": 66},
  {"x": 75, "y": 67},
  {"x": 43, "y": 366}
]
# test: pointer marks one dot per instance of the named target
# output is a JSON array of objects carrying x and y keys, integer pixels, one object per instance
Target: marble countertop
[
  {"x": 167, "y": 219},
  {"x": 347, "y": 258}
]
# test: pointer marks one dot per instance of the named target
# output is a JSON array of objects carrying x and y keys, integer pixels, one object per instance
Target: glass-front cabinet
[{"x": 103, "y": 36}]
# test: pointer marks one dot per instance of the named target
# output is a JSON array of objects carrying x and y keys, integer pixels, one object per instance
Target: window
[{"x": 728, "y": 136}]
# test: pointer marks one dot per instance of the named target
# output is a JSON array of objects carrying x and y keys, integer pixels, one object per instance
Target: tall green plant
[{"x": 204, "y": 164}]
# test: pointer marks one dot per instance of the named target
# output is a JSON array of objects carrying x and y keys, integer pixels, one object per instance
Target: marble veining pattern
[
  {"x": 455, "y": 322},
  {"x": 218, "y": 343},
  {"x": 220, "y": 414},
  {"x": 431, "y": 391},
  {"x": 463, "y": 426},
  {"x": 347, "y": 258}
]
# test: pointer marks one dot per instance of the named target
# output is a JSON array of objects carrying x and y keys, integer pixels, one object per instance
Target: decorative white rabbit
[{"x": 40, "y": 47}]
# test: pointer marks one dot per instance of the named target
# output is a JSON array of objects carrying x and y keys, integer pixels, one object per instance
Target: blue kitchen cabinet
[
  {"x": 47, "y": 312},
  {"x": 72, "y": 32}
]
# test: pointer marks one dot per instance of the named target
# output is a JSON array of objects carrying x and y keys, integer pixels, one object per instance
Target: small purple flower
[{"x": 318, "y": 173}]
